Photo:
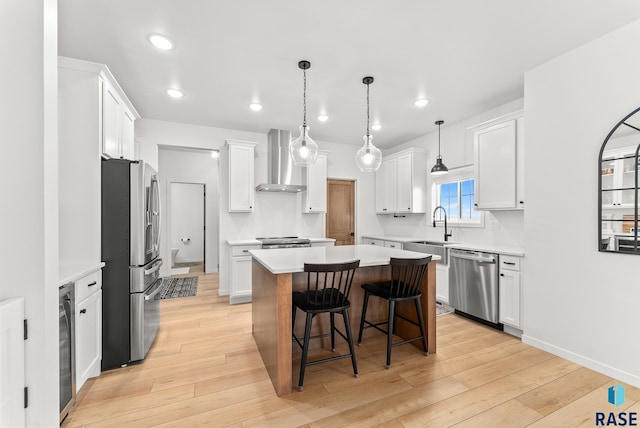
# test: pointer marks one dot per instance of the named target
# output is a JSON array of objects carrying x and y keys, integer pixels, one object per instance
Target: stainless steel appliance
[
  {"x": 66, "y": 321},
  {"x": 130, "y": 249},
  {"x": 280, "y": 169},
  {"x": 473, "y": 284},
  {"x": 284, "y": 242}
]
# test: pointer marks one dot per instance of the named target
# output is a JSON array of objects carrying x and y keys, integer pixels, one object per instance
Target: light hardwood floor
[{"x": 204, "y": 370}]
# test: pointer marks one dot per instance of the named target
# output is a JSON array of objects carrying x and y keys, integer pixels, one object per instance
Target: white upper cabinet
[
  {"x": 314, "y": 199},
  {"x": 401, "y": 183},
  {"x": 499, "y": 163},
  {"x": 241, "y": 176},
  {"x": 117, "y": 123},
  {"x": 89, "y": 124}
]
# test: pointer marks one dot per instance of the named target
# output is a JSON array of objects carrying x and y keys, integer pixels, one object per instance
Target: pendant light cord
[
  {"x": 304, "y": 99},
  {"x": 368, "y": 110},
  {"x": 438, "y": 140}
]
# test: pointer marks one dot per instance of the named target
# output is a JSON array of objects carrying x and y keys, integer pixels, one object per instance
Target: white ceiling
[{"x": 465, "y": 56}]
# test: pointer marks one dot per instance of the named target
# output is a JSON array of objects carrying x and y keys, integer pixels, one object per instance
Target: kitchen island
[{"x": 277, "y": 272}]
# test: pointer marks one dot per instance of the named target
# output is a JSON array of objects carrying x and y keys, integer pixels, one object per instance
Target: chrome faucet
[{"x": 440, "y": 207}]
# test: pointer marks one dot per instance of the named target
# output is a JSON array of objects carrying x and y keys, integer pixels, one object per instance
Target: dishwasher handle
[{"x": 475, "y": 258}]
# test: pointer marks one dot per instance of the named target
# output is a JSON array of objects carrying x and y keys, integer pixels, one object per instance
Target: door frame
[
  {"x": 356, "y": 235},
  {"x": 204, "y": 218}
]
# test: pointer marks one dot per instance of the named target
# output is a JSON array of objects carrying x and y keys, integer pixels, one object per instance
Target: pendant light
[
  {"x": 439, "y": 168},
  {"x": 303, "y": 149},
  {"x": 369, "y": 157}
]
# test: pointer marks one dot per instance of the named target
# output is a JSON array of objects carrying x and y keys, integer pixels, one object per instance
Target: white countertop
[
  {"x": 490, "y": 248},
  {"x": 70, "y": 273},
  {"x": 286, "y": 260},
  {"x": 234, "y": 242}
]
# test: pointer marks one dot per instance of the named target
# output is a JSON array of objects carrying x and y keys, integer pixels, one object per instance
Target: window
[{"x": 457, "y": 197}]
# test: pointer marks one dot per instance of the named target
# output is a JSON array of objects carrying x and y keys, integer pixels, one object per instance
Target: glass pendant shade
[
  {"x": 439, "y": 168},
  {"x": 369, "y": 157},
  {"x": 303, "y": 150}
]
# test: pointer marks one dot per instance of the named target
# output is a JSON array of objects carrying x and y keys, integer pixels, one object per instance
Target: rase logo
[{"x": 615, "y": 396}]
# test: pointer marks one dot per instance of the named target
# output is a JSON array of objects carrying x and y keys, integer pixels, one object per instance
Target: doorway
[
  {"x": 187, "y": 226},
  {"x": 341, "y": 211}
]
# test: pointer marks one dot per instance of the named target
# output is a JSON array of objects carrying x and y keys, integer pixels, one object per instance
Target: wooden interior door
[{"x": 341, "y": 211}]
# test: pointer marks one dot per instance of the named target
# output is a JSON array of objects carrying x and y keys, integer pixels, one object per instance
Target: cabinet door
[
  {"x": 393, "y": 244},
  {"x": 381, "y": 200},
  {"x": 371, "y": 241},
  {"x": 386, "y": 187},
  {"x": 495, "y": 164},
  {"x": 128, "y": 141},
  {"x": 111, "y": 112},
  {"x": 404, "y": 192},
  {"x": 442, "y": 283},
  {"x": 241, "y": 183},
  {"x": 520, "y": 162},
  {"x": 315, "y": 197},
  {"x": 88, "y": 338},
  {"x": 509, "y": 297},
  {"x": 240, "y": 279}
]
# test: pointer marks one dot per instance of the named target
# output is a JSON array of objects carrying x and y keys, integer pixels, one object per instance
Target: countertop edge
[
  {"x": 75, "y": 272},
  {"x": 238, "y": 242}
]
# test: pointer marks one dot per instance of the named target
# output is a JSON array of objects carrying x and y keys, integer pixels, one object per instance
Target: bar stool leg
[
  {"x": 364, "y": 314},
  {"x": 422, "y": 329},
  {"x": 293, "y": 319},
  {"x": 392, "y": 319},
  {"x": 333, "y": 331},
  {"x": 347, "y": 326},
  {"x": 305, "y": 349}
]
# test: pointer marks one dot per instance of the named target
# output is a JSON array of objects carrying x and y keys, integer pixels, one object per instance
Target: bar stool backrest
[
  {"x": 329, "y": 284},
  {"x": 407, "y": 275}
]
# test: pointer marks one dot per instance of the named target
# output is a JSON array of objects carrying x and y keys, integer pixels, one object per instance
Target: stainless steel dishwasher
[{"x": 473, "y": 284}]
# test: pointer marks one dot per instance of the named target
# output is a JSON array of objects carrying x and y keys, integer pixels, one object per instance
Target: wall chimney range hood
[{"x": 279, "y": 164}]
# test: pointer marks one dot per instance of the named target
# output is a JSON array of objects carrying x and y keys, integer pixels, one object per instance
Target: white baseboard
[{"x": 584, "y": 361}]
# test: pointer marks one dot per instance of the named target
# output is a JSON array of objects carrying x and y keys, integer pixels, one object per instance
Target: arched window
[{"x": 618, "y": 187}]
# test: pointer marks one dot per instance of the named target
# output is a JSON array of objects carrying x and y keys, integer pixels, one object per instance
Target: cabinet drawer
[
  {"x": 393, "y": 244},
  {"x": 510, "y": 262},
  {"x": 88, "y": 285},
  {"x": 369, "y": 241},
  {"x": 243, "y": 250}
]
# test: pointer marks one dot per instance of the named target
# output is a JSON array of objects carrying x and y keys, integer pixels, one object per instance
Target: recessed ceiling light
[
  {"x": 376, "y": 127},
  {"x": 421, "y": 102},
  {"x": 175, "y": 93},
  {"x": 255, "y": 106},
  {"x": 323, "y": 118},
  {"x": 161, "y": 42}
]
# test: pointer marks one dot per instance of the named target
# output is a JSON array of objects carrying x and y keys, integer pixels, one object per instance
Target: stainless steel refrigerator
[{"x": 130, "y": 248}]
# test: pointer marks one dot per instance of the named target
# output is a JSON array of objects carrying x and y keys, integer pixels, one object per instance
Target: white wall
[
  {"x": 197, "y": 166},
  {"x": 579, "y": 303},
  {"x": 457, "y": 151},
  {"x": 29, "y": 191}
]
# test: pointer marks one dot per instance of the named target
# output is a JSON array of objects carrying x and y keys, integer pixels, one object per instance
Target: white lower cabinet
[
  {"x": 240, "y": 289},
  {"x": 509, "y": 292},
  {"x": 393, "y": 244},
  {"x": 371, "y": 241},
  {"x": 442, "y": 283},
  {"x": 88, "y": 330}
]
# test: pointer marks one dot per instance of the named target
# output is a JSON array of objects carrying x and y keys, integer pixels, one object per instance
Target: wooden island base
[{"x": 271, "y": 312}]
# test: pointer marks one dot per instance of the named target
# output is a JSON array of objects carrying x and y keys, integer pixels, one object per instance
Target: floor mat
[{"x": 179, "y": 287}]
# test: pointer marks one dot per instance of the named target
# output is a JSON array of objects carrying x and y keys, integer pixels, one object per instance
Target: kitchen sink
[{"x": 429, "y": 247}]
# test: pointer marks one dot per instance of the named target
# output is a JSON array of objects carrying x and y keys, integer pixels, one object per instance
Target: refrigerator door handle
[
  {"x": 156, "y": 265},
  {"x": 153, "y": 293},
  {"x": 155, "y": 191}
]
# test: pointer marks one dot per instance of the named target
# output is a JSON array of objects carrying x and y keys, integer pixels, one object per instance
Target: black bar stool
[
  {"x": 328, "y": 287},
  {"x": 406, "y": 279}
]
